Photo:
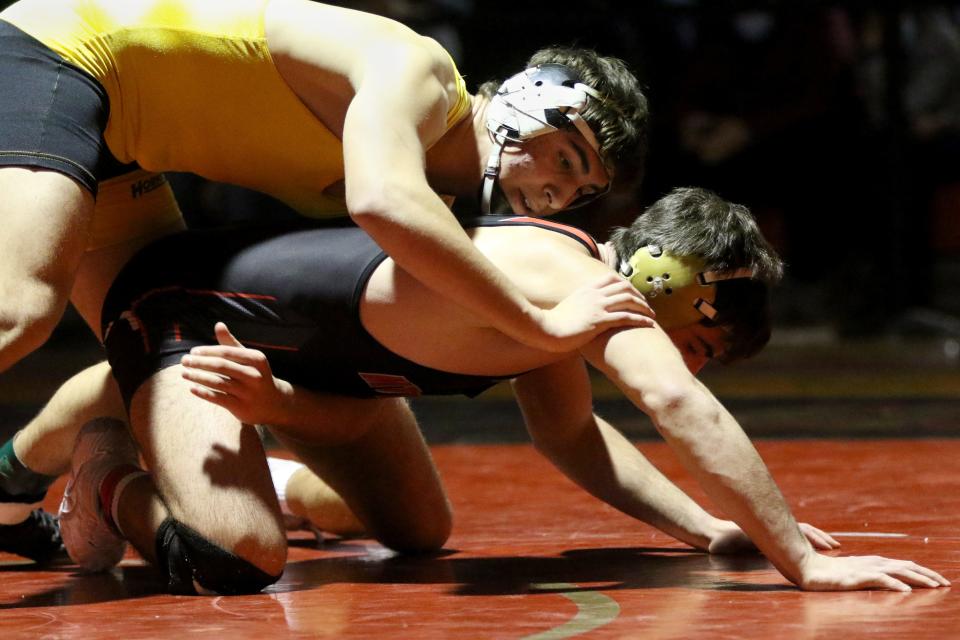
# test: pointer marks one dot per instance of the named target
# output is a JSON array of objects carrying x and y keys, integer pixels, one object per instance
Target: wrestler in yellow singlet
[{"x": 192, "y": 87}]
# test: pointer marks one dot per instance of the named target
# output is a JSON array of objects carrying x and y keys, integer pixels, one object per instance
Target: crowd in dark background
[{"x": 837, "y": 123}]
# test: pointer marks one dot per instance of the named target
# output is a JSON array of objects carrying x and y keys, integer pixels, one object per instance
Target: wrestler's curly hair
[{"x": 620, "y": 120}]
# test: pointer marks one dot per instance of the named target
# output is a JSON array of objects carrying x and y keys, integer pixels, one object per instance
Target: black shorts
[
  {"x": 164, "y": 326},
  {"x": 169, "y": 296},
  {"x": 52, "y": 113}
]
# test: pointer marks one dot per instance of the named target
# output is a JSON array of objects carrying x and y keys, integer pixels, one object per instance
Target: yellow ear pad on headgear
[{"x": 673, "y": 285}]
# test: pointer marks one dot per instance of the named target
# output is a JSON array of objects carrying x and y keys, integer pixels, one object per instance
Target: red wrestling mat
[{"x": 532, "y": 556}]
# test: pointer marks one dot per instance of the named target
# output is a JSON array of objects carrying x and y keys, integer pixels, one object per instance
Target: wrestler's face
[
  {"x": 698, "y": 344},
  {"x": 548, "y": 173}
]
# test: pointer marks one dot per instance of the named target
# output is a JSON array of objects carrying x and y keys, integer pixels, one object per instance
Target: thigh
[
  {"x": 209, "y": 469},
  {"x": 52, "y": 117},
  {"x": 52, "y": 155},
  {"x": 386, "y": 475},
  {"x": 45, "y": 217}
]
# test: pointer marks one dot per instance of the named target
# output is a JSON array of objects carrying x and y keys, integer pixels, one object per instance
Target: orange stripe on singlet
[{"x": 584, "y": 237}]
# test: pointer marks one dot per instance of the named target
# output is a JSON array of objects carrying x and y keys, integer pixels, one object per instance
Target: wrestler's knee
[
  {"x": 194, "y": 564},
  {"x": 32, "y": 316},
  {"x": 425, "y": 534}
]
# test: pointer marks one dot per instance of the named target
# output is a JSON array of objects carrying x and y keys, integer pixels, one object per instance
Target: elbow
[
  {"x": 375, "y": 205},
  {"x": 677, "y": 406},
  {"x": 368, "y": 210},
  {"x": 375, "y": 216}
]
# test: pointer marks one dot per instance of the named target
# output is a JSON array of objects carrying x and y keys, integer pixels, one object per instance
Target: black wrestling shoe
[{"x": 36, "y": 538}]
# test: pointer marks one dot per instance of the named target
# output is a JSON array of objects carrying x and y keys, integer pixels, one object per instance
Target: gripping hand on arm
[{"x": 607, "y": 303}]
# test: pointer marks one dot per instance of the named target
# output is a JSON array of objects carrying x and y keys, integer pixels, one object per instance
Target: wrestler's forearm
[
  {"x": 387, "y": 194},
  {"x": 715, "y": 450},
  {"x": 706, "y": 438},
  {"x": 401, "y": 99},
  {"x": 608, "y": 466},
  {"x": 416, "y": 229}
]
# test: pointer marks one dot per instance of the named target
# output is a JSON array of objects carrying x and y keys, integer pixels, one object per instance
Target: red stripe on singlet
[
  {"x": 229, "y": 294},
  {"x": 138, "y": 326},
  {"x": 264, "y": 345},
  {"x": 585, "y": 237}
]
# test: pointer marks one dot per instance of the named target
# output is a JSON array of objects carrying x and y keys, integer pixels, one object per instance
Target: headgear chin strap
[
  {"x": 540, "y": 100},
  {"x": 679, "y": 288}
]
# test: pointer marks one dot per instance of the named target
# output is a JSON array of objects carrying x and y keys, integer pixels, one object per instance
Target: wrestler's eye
[
  {"x": 707, "y": 348},
  {"x": 565, "y": 163},
  {"x": 587, "y": 192}
]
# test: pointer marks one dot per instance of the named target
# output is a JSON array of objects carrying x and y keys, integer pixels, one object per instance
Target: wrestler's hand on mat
[
  {"x": 730, "y": 538},
  {"x": 236, "y": 378},
  {"x": 849, "y": 573},
  {"x": 604, "y": 304}
]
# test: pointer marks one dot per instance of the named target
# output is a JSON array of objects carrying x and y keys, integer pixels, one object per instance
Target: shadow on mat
[
  {"x": 72, "y": 588},
  {"x": 602, "y": 569},
  {"x": 615, "y": 568}
]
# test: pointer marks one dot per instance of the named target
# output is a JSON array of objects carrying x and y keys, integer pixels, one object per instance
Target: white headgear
[{"x": 540, "y": 100}]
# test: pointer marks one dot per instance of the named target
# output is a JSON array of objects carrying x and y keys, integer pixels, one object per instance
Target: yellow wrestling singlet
[{"x": 192, "y": 87}]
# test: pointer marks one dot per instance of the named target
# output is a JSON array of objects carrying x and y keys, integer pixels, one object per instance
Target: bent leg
[
  {"x": 36, "y": 455},
  {"x": 385, "y": 475},
  {"x": 44, "y": 445},
  {"x": 209, "y": 504},
  {"x": 308, "y": 497}
]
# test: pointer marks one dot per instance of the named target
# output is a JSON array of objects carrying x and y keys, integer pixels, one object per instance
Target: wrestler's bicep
[{"x": 388, "y": 126}]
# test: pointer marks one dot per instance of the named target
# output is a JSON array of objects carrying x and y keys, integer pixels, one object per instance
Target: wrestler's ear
[{"x": 224, "y": 336}]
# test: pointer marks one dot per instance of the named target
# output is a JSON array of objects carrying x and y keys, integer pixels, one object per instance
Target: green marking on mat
[{"x": 593, "y": 610}]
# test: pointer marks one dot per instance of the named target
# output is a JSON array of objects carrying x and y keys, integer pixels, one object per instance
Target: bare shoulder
[
  {"x": 545, "y": 264},
  {"x": 441, "y": 64},
  {"x": 346, "y": 41}
]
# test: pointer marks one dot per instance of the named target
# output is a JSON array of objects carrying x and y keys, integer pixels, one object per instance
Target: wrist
[
  {"x": 285, "y": 403},
  {"x": 717, "y": 534},
  {"x": 714, "y": 528},
  {"x": 806, "y": 565},
  {"x": 534, "y": 328}
]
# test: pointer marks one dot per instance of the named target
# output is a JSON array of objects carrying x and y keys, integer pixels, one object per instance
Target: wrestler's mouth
[{"x": 526, "y": 204}]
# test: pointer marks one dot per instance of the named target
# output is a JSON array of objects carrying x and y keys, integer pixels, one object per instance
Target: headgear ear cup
[{"x": 672, "y": 285}]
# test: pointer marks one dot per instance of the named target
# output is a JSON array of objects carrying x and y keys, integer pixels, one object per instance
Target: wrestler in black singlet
[{"x": 293, "y": 293}]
